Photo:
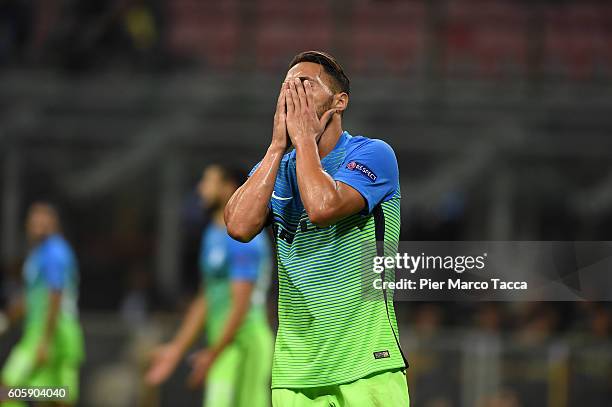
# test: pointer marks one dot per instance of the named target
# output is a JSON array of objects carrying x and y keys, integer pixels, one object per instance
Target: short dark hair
[{"x": 331, "y": 66}]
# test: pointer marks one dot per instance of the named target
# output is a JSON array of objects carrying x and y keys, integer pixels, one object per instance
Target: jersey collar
[{"x": 344, "y": 136}]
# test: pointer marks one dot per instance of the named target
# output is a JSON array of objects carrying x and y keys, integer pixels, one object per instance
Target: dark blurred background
[{"x": 498, "y": 111}]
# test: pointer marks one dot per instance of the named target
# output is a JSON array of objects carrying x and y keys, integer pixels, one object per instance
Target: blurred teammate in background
[
  {"x": 51, "y": 349},
  {"x": 231, "y": 306},
  {"x": 326, "y": 198}
]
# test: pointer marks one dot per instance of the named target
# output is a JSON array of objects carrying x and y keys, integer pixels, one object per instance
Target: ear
[{"x": 341, "y": 101}]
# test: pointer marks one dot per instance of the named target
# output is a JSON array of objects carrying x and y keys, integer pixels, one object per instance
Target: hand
[
  {"x": 280, "y": 138},
  {"x": 42, "y": 353},
  {"x": 201, "y": 363},
  {"x": 302, "y": 121},
  {"x": 163, "y": 362}
]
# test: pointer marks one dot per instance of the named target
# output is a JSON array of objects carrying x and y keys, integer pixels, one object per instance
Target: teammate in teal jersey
[
  {"x": 330, "y": 197},
  {"x": 235, "y": 277},
  {"x": 51, "y": 349}
]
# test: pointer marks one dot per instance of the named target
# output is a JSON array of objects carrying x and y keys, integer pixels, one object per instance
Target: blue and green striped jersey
[{"x": 329, "y": 332}]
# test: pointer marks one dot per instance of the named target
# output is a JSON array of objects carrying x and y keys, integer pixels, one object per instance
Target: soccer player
[
  {"x": 326, "y": 198},
  {"x": 50, "y": 351},
  {"x": 235, "y": 277}
]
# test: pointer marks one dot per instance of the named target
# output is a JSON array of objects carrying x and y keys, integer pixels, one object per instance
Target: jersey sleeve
[
  {"x": 244, "y": 260},
  {"x": 255, "y": 167},
  {"x": 54, "y": 266},
  {"x": 372, "y": 170}
]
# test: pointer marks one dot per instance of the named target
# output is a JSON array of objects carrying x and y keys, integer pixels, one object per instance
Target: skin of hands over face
[
  {"x": 247, "y": 210},
  {"x": 324, "y": 95},
  {"x": 314, "y": 126}
]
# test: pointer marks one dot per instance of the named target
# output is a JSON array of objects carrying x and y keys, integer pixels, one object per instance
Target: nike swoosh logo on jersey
[{"x": 280, "y": 197}]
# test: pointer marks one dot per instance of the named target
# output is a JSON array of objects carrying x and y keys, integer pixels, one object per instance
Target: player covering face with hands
[
  {"x": 230, "y": 308},
  {"x": 325, "y": 199}
]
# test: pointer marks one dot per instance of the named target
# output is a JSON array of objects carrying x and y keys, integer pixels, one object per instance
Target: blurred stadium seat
[
  {"x": 485, "y": 38},
  {"x": 574, "y": 40},
  {"x": 206, "y": 30},
  {"x": 387, "y": 36},
  {"x": 282, "y": 28},
  {"x": 46, "y": 16}
]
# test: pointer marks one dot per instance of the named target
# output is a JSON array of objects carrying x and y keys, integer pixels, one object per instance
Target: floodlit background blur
[{"x": 499, "y": 112}]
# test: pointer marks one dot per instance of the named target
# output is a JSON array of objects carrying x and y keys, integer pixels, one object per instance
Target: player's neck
[{"x": 330, "y": 136}]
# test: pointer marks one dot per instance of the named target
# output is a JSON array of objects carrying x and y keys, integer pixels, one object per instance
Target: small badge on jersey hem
[
  {"x": 382, "y": 354},
  {"x": 363, "y": 169}
]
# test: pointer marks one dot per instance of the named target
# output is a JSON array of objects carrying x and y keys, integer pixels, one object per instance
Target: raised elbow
[
  {"x": 240, "y": 233},
  {"x": 239, "y": 228},
  {"x": 321, "y": 218}
]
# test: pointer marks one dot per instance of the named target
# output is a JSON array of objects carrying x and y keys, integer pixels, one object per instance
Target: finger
[
  {"x": 327, "y": 116},
  {"x": 309, "y": 96},
  {"x": 289, "y": 102},
  {"x": 294, "y": 96},
  {"x": 288, "y": 99},
  {"x": 280, "y": 103},
  {"x": 299, "y": 87},
  {"x": 281, "y": 108}
]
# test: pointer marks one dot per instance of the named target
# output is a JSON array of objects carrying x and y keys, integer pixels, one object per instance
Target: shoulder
[
  {"x": 366, "y": 145},
  {"x": 56, "y": 248},
  {"x": 373, "y": 153}
]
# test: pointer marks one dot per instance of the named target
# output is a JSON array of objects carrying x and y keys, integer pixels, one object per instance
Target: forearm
[
  {"x": 317, "y": 188},
  {"x": 247, "y": 210},
  {"x": 192, "y": 324},
  {"x": 232, "y": 325}
]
